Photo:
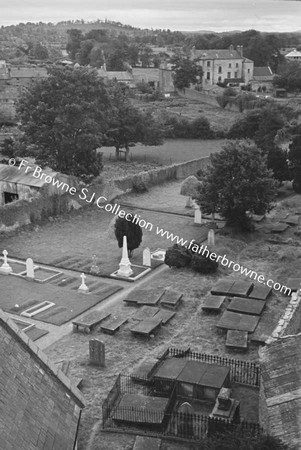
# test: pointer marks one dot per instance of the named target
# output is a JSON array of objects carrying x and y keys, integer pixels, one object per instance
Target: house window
[
  {"x": 230, "y": 65},
  {"x": 208, "y": 63},
  {"x": 236, "y": 65},
  {"x": 220, "y": 69},
  {"x": 208, "y": 76},
  {"x": 248, "y": 70},
  {"x": 235, "y": 74},
  {"x": 219, "y": 79},
  {"x": 10, "y": 197},
  {"x": 229, "y": 75}
]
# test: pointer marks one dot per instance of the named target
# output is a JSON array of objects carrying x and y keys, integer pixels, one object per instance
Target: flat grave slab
[
  {"x": 235, "y": 321},
  {"x": 292, "y": 219},
  {"x": 147, "y": 327},
  {"x": 246, "y": 306},
  {"x": 147, "y": 297},
  {"x": 89, "y": 321},
  {"x": 146, "y": 312},
  {"x": 240, "y": 288},
  {"x": 126, "y": 410},
  {"x": 147, "y": 443},
  {"x": 144, "y": 370},
  {"x": 165, "y": 316},
  {"x": 294, "y": 284},
  {"x": 278, "y": 227},
  {"x": 237, "y": 339},
  {"x": 171, "y": 298},
  {"x": 222, "y": 287},
  {"x": 213, "y": 303},
  {"x": 113, "y": 325},
  {"x": 260, "y": 292},
  {"x": 170, "y": 368}
]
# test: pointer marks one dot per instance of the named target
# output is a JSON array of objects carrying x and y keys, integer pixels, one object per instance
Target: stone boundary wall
[
  {"x": 290, "y": 321},
  {"x": 24, "y": 212}
]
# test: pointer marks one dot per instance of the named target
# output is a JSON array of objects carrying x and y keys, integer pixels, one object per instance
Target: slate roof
[
  {"x": 263, "y": 73},
  {"x": 217, "y": 54},
  {"x": 12, "y": 174},
  {"x": 28, "y": 72},
  {"x": 39, "y": 407},
  {"x": 281, "y": 378}
]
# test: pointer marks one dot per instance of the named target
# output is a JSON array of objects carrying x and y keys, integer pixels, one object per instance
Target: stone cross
[
  {"x": 94, "y": 267},
  {"x": 147, "y": 257},
  {"x": 211, "y": 237},
  {"x": 197, "y": 215},
  {"x": 97, "y": 352},
  {"x": 83, "y": 287},
  {"x": 125, "y": 264},
  {"x": 5, "y": 268},
  {"x": 29, "y": 268}
]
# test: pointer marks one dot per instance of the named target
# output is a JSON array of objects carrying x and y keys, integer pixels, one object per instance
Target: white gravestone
[
  {"x": 211, "y": 237},
  {"x": 5, "y": 268},
  {"x": 197, "y": 215},
  {"x": 125, "y": 264},
  {"x": 83, "y": 287},
  {"x": 147, "y": 257},
  {"x": 29, "y": 268}
]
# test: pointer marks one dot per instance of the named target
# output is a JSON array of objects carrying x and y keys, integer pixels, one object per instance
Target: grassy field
[{"x": 172, "y": 151}]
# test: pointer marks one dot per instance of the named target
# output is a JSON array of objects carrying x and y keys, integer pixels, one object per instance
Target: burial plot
[
  {"x": 260, "y": 292},
  {"x": 113, "y": 325},
  {"x": 147, "y": 443},
  {"x": 222, "y": 287},
  {"x": 89, "y": 321},
  {"x": 235, "y": 321},
  {"x": 240, "y": 289},
  {"x": 213, "y": 303},
  {"x": 151, "y": 299},
  {"x": 165, "y": 316},
  {"x": 97, "y": 352},
  {"x": 141, "y": 409},
  {"x": 146, "y": 312},
  {"x": 144, "y": 371},
  {"x": 294, "y": 284},
  {"x": 237, "y": 340},
  {"x": 147, "y": 327},
  {"x": 246, "y": 306},
  {"x": 171, "y": 299},
  {"x": 139, "y": 296}
]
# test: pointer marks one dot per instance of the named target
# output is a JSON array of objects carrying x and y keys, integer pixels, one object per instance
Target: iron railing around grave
[{"x": 243, "y": 372}]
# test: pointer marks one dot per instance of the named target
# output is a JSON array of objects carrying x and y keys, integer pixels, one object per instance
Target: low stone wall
[{"x": 290, "y": 321}]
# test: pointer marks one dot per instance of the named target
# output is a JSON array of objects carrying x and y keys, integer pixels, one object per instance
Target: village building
[
  {"x": 39, "y": 406},
  {"x": 224, "y": 65},
  {"x": 294, "y": 55},
  {"x": 262, "y": 76}
]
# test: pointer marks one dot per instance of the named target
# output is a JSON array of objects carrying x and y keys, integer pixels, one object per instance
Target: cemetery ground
[{"x": 90, "y": 231}]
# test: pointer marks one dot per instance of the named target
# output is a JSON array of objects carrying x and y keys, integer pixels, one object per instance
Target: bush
[
  {"x": 200, "y": 129},
  {"x": 138, "y": 186},
  {"x": 177, "y": 256},
  {"x": 203, "y": 264}
]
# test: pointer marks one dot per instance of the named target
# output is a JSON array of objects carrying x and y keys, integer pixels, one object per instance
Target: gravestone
[
  {"x": 147, "y": 257},
  {"x": 83, "y": 287},
  {"x": 29, "y": 268},
  {"x": 97, "y": 352},
  {"x": 211, "y": 237},
  {"x": 94, "y": 267},
  {"x": 125, "y": 264},
  {"x": 5, "y": 268},
  {"x": 197, "y": 215}
]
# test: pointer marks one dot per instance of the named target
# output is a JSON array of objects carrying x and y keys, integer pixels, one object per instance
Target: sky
[{"x": 182, "y": 15}]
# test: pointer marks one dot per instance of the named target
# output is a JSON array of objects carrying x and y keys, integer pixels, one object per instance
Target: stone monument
[
  {"x": 211, "y": 237},
  {"x": 197, "y": 215},
  {"x": 29, "y": 268},
  {"x": 97, "y": 352},
  {"x": 147, "y": 257},
  {"x": 125, "y": 264},
  {"x": 5, "y": 268},
  {"x": 83, "y": 289}
]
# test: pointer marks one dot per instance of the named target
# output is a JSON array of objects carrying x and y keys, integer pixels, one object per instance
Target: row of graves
[
  {"x": 242, "y": 304},
  {"x": 182, "y": 395}
]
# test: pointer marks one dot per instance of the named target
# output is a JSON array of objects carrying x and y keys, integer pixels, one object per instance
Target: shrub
[
  {"x": 138, "y": 185},
  {"x": 203, "y": 264},
  {"x": 131, "y": 230},
  {"x": 177, "y": 256}
]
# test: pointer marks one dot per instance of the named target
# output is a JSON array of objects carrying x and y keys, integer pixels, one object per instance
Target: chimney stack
[{"x": 240, "y": 48}]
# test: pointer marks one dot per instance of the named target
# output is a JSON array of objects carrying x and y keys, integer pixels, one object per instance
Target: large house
[
  {"x": 294, "y": 55},
  {"x": 224, "y": 65}
]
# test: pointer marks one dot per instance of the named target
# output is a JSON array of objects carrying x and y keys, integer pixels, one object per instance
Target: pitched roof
[
  {"x": 14, "y": 174},
  {"x": 262, "y": 71},
  {"x": 39, "y": 407},
  {"x": 281, "y": 379},
  {"x": 217, "y": 54},
  {"x": 28, "y": 72},
  {"x": 293, "y": 54}
]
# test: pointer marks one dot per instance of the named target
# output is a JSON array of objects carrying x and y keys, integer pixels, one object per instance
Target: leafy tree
[
  {"x": 74, "y": 39},
  {"x": 236, "y": 182},
  {"x": 128, "y": 125},
  {"x": 294, "y": 157},
  {"x": 83, "y": 56},
  {"x": 131, "y": 230},
  {"x": 289, "y": 76},
  {"x": 64, "y": 118},
  {"x": 186, "y": 72}
]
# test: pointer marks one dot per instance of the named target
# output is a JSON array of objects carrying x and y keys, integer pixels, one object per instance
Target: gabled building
[
  {"x": 224, "y": 65},
  {"x": 294, "y": 55},
  {"x": 262, "y": 76},
  {"x": 40, "y": 409}
]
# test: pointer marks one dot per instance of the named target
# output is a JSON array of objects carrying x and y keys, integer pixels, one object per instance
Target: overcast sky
[{"x": 218, "y": 15}]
